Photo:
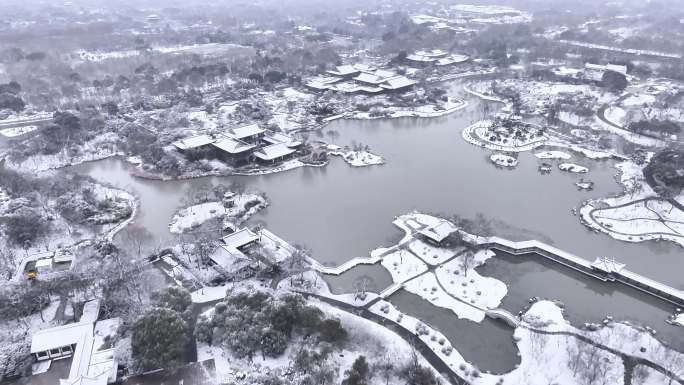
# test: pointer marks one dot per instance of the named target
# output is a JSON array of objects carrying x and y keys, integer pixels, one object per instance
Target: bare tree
[
  {"x": 202, "y": 249},
  {"x": 361, "y": 285},
  {"x": 8, "y": 262},
  {"x": 385, "y": 368},
  {"x": 639, "y": 375},
  {"x": 467, "y": 260},
  {"x": 136, "y": 238},
  {"x": 298, "y": 262},
  {"x": 672, "y": 361},
  {"x": 588, "y": 363}
]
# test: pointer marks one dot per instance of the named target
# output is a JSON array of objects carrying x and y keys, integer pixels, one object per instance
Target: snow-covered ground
[
  {"x": 359, "y": 158},
  {"x": 463, "y": 281},
  {"x": 14, "y": 132},
  {"x": 403, "y": 265},
  {"x": 630, "y": 136},
  {"x": 572, "y": 167},
  {"x": 427, "y": 287},
  {"x": 244, "y": 206},
  {"x": 679, "y": 319},
  {"x": 553, "y": 155},
  {"x": 547, "y": 358},
  {"x": 479, "y": 134},
  {"x": 624, "y": 50},
  {"x": 377, "y": 343},
  {"x": 455, "y": 285},
  {"x": 101, "y": 147},
  {"x": 636, "y": 215},
  {"x": 503, "y": 160},
  {"x": 616, "y": 115}
]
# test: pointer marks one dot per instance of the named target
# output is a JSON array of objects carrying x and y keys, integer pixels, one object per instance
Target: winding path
[
  {"x": 662, "y": 220},
  {"x": 629, "y": 361}
]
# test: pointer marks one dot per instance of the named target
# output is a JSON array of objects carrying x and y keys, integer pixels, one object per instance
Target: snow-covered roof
[
  {"x": 279, "y": 137},
  {"x": 439, "y": 231},
  {"x": 62, "y": 255},
  {"x": 397, "y": 82},
  {"x": 81, "y": 358},
  {"x": 385, "y": 73},
  {"x": 365, "y": 77},
  {"x": 452, "y": 59},
  {"x": 46, "y": 262},
  {"x": 420, "y": 58},
  {"x": 347, "y": 87},
  {"x": 91, "y": 311},
  {"x": 317, "y": 85},
  {"x": 607, "y": 265},
  {"x": 326, "y": 79},
  {"x": 608, "y": 67},
  {"x": 193, "y": 142},
  {"x": 59, "y": 336},
  {"x": 432, "y": 53},
  {"x": 363, "y": 67},
  {"x": 14, "y": 132},
  {"x": 240, "y": 238},
  {"x": 229, "y": 258},
  {"x": 101, "y": 380},
  {"x": 274, "y": 151},
  {"x": 247, "y": 131},
  {"x": 617, "y": 68},
  {"x": 232, "y": 146},
  {"x": 344, "y": 70}
]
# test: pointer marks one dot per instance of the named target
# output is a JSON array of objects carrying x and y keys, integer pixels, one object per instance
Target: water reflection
[
  {"x": 489, "y": 344},
  {"x": 586, "y": 299}
]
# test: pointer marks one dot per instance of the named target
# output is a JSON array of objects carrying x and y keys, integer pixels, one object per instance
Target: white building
[{"x": 83, "y": 341}]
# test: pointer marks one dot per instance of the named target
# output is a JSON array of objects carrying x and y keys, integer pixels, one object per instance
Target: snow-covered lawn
[
  {"x": 616, "y": 115},
  {"x": 245, "y": 205},
  {"x": 638, "y": 100},
  {"x": 471, "y": 287},
  {"x": 637, "y": 221},
  {"x": 403, "y": 265},
  {"x": 430, "y": 254},
  {"x": 429, "y": 288},
  {"x": 628, "y": 218}
]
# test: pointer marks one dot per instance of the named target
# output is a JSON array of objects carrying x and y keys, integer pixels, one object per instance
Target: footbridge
[{"x": 504, "y": 315}]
